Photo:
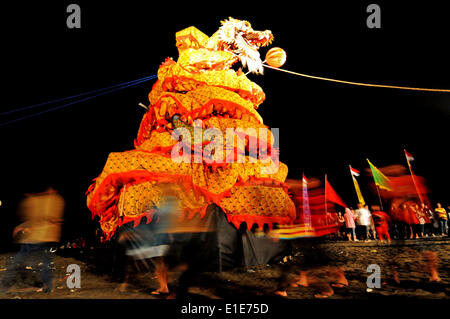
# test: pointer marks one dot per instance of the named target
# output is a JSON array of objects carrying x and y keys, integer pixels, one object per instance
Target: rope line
[
  {"x": 71, "y": 103},
  {"x": 359, "y": 83},
  {"x": 76, "y": 95}
]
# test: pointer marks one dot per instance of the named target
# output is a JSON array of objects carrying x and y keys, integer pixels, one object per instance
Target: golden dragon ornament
[{"x": 199, "y": 92}]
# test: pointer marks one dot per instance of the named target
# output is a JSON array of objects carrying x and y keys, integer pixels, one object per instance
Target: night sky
[{"x": 324, "y": 126}]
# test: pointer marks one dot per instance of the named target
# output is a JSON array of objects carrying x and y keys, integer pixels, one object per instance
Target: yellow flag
[{"x": 358, "y": 191}]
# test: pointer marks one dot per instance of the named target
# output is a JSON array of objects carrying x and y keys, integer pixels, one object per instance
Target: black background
[{"x": 324, "y": 126}]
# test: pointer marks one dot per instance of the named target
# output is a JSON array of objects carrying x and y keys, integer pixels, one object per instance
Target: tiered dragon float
[{"x": 199, "y": 92}]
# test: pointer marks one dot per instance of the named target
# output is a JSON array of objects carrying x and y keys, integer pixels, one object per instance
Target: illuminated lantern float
[{"x": 197, "y": 93}]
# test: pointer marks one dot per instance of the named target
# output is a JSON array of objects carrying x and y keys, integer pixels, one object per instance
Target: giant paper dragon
[{"x": 200, "y": 85}]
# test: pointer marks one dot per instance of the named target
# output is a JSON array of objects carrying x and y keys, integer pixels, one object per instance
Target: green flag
[{"x": 380, "y": 180}]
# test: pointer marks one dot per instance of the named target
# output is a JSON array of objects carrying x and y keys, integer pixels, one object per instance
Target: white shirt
[{"x": 363, "y": 217}]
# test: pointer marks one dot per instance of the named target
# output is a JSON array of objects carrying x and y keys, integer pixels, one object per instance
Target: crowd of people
[
  {"x": 404, "y": 220},
  {"x": 172, "y": 244}
]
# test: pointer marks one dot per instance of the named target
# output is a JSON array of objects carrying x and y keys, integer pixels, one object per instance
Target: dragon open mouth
[
  {"x": 259, "y": 39},
  {"x": 239, "y": 38}
]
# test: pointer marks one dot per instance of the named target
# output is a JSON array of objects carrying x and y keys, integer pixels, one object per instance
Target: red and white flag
[
  {"x": 409, "y": 157},
  {"x": 305, "y": 180},
  {"x": 354, "y": 172}
]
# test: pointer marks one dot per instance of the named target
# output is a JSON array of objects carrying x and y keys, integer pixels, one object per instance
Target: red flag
[
  {"x": 409, "y": 156},
  {"x": 332, "y": 196},
  {"x": 354, "y": 172}
]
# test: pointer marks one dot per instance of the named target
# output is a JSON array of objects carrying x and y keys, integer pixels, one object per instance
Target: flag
[
  {"x": 306, "y": 208},
  {"x": 304, "y": 179},
  {"x": 354, "y": 173},
  {"x": 409, "y": 157},
  {"x": 332, "y": 196},
  {"x": 380, "y": 180}
]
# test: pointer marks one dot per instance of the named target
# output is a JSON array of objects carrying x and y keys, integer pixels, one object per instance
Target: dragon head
[{"x": 238, "y": 37}]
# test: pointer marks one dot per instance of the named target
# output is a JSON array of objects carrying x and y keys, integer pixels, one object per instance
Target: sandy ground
[{"x": 260, "y": 281}]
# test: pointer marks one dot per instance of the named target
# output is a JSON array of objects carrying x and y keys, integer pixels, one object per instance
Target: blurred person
[
  {"x": 405, "y": 224},
  {"x": 190, "y": 250},
  {"x": 141, "y": 245},
  {"x": 137, "y": 246},
  {"x": 421, "y": 216},
  {"x": 413, "y": 219},
  {"x": 322, "y": 280},
  {"x": 426, "y": 261},
  {"x": 410, "y": 218},
  {"x": 442, "y": 218},
  {"x": 395, "y": 225},
  {"x": 42, "y": 216},
  {"x": 314, "y": 269},
  {"x": 341, "y": 222},
  {"x": 432, "y": 260},
  {"x": 349, "y": 219},
  {"x": 373, "y": 230},
  {"x": 436, "y": 228},
  {"x": 428, "y": 216},
  {"x": 381, "y": 220},
  {"x": 363, "y": 221}
]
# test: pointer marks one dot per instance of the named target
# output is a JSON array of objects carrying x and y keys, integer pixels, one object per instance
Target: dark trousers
[
  {"x": 443, "y": 226},
  {"x": 404, "y": 230},
  {"x": 394, "y": 230},
  {"x": 420, "y": 229},
  {"x": 190, "y": 249},
  {"x": 363, "y": 231},
  {"x": 42, "y": 250},
  {"x": 428, "y": 229}
]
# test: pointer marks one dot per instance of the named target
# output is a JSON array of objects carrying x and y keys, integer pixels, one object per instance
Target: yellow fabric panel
[
  {"x": 206, "y": 57},
  {"x": 137, "y": 199},
  {"x": 190, "y": 37},
  {"x": 163, "y": 139},
  {"x": 200, "y": 96},
  {"x": 258, "y": 200},
  {"x": 221, "y": 78}
]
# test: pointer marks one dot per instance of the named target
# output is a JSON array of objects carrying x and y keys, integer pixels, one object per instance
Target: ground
[{"x": 260, "y": 281}]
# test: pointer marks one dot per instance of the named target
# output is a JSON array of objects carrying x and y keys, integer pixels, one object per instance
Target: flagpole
[
  {"x": 305, "y": 201},
  {"x": 353, "y": 180},
  {"x": 378, "y": 192},
  {"x": 412, "y": 176},
  {"x": 357, "y": 189},
  {"x": 379, "y": 197},
  {"x": 326, "y": 211}
]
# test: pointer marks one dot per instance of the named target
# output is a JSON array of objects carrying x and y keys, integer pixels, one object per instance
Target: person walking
[
  {"x": 349, "y": 219},
  {"x": 421, "y": 216},
  {"x": 427, "y": 213},
  {"x": 38, "y": 234},
  {"x": 363, "y": 221},
  {"x": 442, "y": 218},
  {"x": 381, "y": 220},
  {"x": 341, "y": 223}
]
